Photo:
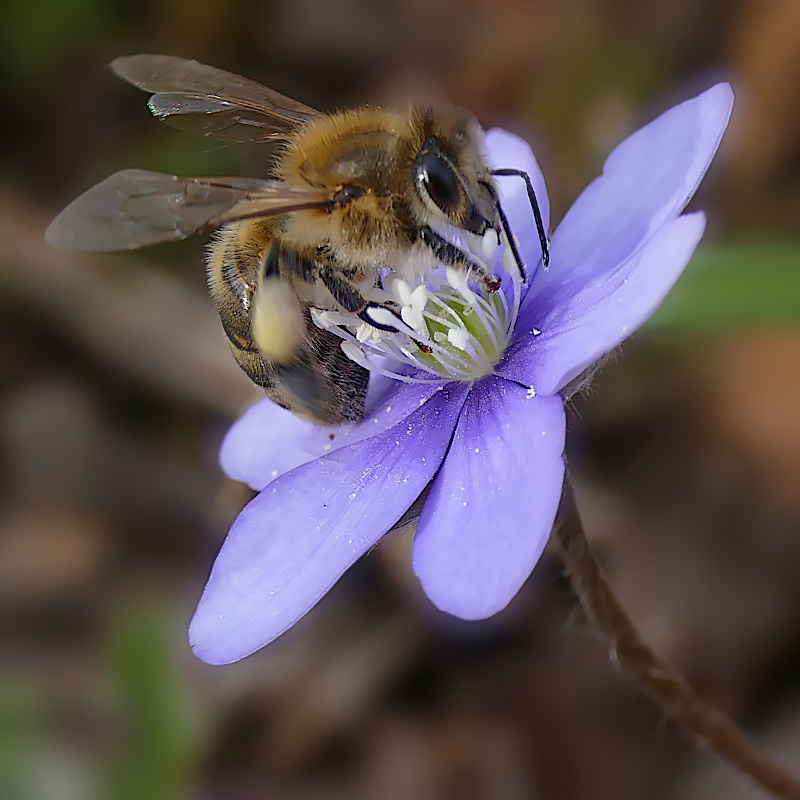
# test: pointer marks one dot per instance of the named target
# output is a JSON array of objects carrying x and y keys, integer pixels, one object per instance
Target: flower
[{"x": 488, "y": 441}]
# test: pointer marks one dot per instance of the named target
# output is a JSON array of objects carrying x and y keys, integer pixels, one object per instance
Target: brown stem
[{"x": 670, "y": 691}]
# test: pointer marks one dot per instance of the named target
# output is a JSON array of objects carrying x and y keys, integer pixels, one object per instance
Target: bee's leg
[
  {"x": 345, "y": 294},
  {"x": 298, "y": 264},
  {"x": 303, "y": 383},
  {"x": 319, "y": 382},
  {"x": 512, "y": 240},
  {"x": 350, "y": 299},
  {"x": 452, "y": 256},
  {"x": 323, "y": 384},
  {"x": 537, "y": 214},
  {"x": 272, "y": 262}
]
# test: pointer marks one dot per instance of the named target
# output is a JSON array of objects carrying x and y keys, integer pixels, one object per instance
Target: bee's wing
[
  {"x": 136, "y": 208},
  {"x": 207, "y": 100}
]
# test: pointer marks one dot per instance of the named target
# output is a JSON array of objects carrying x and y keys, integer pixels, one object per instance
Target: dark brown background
[{"x": 117, "y": 388}]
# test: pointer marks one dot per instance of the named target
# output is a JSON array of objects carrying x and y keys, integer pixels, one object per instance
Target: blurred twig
[
  {"x": 139, "y": 320},
  {"x": 669, "y": 690}
]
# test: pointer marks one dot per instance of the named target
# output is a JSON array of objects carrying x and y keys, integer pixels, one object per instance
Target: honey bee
[{"x": 348, "y": 194}]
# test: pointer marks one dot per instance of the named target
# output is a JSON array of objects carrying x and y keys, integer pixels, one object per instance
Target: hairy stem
[{"x": 669, "y": 690}]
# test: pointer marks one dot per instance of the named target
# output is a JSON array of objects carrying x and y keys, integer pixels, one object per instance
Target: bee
[{"x": 347, "y": 194}]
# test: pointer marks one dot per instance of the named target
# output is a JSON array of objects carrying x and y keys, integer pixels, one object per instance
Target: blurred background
[{"x": 116, "y": 387}]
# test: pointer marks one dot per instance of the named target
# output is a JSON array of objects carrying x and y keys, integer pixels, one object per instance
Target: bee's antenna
[{"x": 537, "y": 214}]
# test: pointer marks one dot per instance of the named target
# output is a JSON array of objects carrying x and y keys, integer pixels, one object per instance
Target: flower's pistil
[{"x": 444, "y": 322}]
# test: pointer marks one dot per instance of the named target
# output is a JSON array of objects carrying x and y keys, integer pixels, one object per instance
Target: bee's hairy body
[
  {"x": 349, "y": 195},
  {"x": 324, "y": 253},
  {"x": 296, "y": 360},
  {"x": 352, "y": 148}
]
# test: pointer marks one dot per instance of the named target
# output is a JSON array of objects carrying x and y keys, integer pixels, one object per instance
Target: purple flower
[{"x": 488, "y": 431}]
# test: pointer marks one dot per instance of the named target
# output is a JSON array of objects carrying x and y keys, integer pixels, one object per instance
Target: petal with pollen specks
[
  {"x": 491, "y": 506},
  {"x": 293, "y": 542}
]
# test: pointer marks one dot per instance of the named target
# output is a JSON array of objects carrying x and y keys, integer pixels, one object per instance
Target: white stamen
[
  {"x": 419, "y": 297},
  {"x": 382, "y": 316},
  {"x": 414, "y": 319},
  {"x": 399, "y": 289},
  {"x": 509, "y": 262},
  {"x": 435, "y": 322},
  {"x": 364, "y": 332},
  {"x": 354, "y": 353},
  {"x": 458, "y": 337},
  {"x": 489, "y": 243},
  {"x": 457, "y": 278},
  {"x": 321, "y": 318}
]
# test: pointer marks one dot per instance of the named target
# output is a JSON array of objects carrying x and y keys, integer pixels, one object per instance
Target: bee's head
[{"x": 451, "y": 182}]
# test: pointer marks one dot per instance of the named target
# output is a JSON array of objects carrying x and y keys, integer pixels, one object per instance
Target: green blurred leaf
[
  {"x": 37, "y": 35},
  {"x": 735, "y": 286},
  {"x": 36, "y": 763},
  {"x": 23, "y": 718},
  {"x": 163, "y": 733}
]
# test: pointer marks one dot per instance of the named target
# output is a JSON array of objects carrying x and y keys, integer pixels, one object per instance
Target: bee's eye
[{"x": 437, "y": 182}]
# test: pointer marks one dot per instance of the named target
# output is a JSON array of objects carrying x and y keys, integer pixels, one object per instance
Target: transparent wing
[
  {"x": 210, "y": 101},
  {"x": 136, "y": 208}
]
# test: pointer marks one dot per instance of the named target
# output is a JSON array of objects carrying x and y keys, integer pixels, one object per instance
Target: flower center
[{"x": 442, "y": 321}]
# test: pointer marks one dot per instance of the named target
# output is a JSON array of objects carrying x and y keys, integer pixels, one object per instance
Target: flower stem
[{"x": 669, "y": 689}]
